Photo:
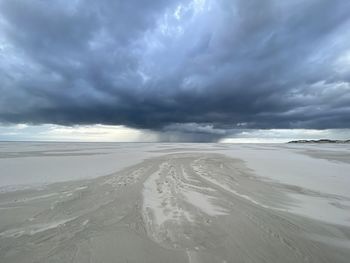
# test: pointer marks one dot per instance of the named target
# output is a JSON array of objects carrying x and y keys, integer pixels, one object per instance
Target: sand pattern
[{"x": 181, "y": 207}]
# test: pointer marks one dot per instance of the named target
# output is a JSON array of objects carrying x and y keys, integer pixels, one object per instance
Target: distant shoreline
[{"x": 320, "y": 141}]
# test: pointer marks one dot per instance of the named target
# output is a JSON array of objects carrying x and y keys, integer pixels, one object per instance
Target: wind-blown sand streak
[{"x": 188, "y": 207}]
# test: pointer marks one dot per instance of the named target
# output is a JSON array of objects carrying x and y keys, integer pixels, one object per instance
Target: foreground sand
[{"x": 181, "y": 207}]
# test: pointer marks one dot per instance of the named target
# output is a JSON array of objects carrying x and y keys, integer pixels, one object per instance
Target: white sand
[{"x": 183, "y": 203}]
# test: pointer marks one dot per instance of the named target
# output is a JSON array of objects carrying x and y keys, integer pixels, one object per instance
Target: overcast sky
[{"x": 174, "y": 70}]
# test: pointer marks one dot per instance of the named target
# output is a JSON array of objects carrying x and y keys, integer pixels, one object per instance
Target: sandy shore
[{"x": 191, "y": 206}]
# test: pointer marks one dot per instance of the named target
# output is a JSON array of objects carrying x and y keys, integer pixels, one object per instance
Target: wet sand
[{"x": 189, "y": 206}]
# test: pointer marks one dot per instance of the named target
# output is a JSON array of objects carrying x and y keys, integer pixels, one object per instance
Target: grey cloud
[{"x": 201, "y": 73}]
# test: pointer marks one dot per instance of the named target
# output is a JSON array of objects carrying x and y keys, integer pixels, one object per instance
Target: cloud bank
[{"x": 200, "y": 68}]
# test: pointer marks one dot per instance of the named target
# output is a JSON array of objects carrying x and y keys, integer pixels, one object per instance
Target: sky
[{"x": 174, "y": 70}]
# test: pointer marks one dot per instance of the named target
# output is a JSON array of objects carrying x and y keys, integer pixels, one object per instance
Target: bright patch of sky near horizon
[{"x": 108, "y": 133}]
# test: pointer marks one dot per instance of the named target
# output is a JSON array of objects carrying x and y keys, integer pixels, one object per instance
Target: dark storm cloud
[{"x": 202, "y": 68}]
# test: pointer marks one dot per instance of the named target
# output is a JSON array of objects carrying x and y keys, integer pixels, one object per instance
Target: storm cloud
[{"x": 202, "y": 67}]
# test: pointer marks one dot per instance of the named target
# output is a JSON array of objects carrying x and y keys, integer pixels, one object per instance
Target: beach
[{"x": 163, "y": 202}]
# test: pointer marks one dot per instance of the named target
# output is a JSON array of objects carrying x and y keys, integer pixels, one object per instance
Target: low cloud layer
[{"x": 200, "y": 68}]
